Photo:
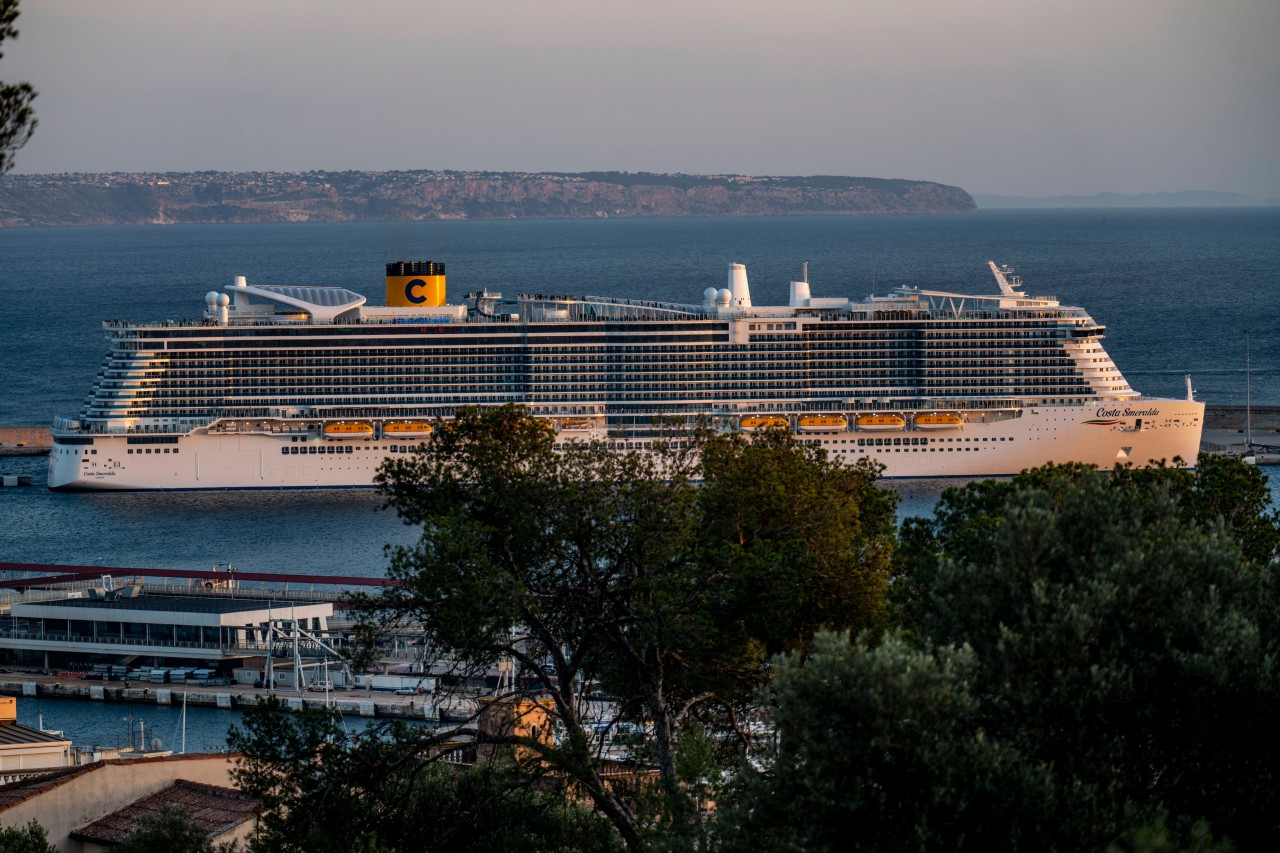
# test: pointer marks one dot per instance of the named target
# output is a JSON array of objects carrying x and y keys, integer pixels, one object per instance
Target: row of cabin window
[{"x": 338, "y": 448}]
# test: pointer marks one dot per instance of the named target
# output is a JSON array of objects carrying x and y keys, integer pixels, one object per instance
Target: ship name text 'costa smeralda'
[{"x": 282, "y": 386}]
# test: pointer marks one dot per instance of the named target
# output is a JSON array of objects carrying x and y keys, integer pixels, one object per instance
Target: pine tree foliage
[
  {"x": 17, "y": 117},
  {"x": 665, "y": 578},
  {"x": 326, "y": 791},
  {"x": 1123, "y": 626},
  {"x": 881, "y": 748}
]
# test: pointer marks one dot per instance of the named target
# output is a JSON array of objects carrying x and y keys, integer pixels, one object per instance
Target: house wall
[
  {"x": 32, "y": 756},
  {"x": 82, "y": 800}
]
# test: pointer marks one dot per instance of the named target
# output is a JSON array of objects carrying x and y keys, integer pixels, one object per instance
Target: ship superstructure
[{"x": 303, "y": 386}]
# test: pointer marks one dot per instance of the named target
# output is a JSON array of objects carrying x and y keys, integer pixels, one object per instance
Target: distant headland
[{"x": 120, "y": 198}]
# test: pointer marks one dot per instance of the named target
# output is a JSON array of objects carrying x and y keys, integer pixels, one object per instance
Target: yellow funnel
[{"x": 413, "y": 284}]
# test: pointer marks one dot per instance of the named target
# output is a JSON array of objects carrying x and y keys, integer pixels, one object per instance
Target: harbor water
[{"x": 1174, "y": 288}]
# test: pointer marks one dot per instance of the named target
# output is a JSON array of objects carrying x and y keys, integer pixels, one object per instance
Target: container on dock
[{"x": 413, "y": 683}]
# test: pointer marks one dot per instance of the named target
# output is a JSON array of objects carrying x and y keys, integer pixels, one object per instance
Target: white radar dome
[
  {"x": 723, "y": 296},
  {"x": 211, "y": 298},
  {"x": 709, "y": 296},
  {"x": 223, "y": 300}
]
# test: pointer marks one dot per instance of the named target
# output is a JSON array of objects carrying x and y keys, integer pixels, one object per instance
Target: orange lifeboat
[
  {"x": 406, "y": 429},
  {"x": 938, "y": 420},
  {"x": 575, "y": 423},
  {"x": 348, "y": 429},
  {"x": 881, "y": 423},
  {"x": 823, "y": 423},
  {"x": 762, "y": 422}
]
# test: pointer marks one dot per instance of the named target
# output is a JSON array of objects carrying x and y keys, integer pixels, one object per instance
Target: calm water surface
[{"x": 1173, "y": 287}]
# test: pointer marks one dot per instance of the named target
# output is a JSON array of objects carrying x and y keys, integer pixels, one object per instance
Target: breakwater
[
  {"x": 1234, "y": 417},
  {"x": 25, "y": 440}
]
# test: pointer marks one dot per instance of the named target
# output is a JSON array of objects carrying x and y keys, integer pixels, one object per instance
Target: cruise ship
[{"x": 298, "y": 386}]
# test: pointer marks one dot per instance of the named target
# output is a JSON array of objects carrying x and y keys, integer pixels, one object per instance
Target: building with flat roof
[{"x": 165, "y": 628}]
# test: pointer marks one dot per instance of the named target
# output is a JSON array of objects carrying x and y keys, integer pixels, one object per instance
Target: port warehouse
[{"x": 108, "y": 619}]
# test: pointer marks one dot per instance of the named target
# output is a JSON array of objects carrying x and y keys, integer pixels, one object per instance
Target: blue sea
[{"x": 1175, "y": 289}]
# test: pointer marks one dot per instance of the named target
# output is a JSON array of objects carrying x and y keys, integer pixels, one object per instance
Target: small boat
[
  {"x": 823, "y": 423},
  {"x": 762, "y": 422},
  {"x": 881, "y": 423},
  {"x": 575, "y": 423},
  {"x": 348, "y": 429},
  {"x": 406, "y": 429},
  {"x": 938, "y": 420}
]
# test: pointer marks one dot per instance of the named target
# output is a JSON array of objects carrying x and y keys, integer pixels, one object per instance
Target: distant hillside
[
  {"x": 1187, "y": 198},
  {"x": 211, "y": 197}
]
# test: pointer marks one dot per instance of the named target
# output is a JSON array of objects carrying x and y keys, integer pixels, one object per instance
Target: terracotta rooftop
[
  {"x": 11, "y": 732},
  {"x": 36, "y": 784},
  {"x": 212, "y": 808}
]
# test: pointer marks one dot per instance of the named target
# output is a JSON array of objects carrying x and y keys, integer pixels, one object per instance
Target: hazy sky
[{"x": 1019, "y": 97}]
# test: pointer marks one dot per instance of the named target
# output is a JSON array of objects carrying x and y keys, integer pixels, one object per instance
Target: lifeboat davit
[
  {"x": 881, "y": 423},
  {"x": 823, "y": 423},
  {"x": 938, "y": 420},
  {"x": 406, "y": 429},
  {"x": 765, "y": 422},
  {"x": 348, "y": 429},
  {"x": 575, "y": 423}
]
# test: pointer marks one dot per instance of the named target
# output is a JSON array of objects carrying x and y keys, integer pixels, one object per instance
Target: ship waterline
[{"x": 307, "y": 387}]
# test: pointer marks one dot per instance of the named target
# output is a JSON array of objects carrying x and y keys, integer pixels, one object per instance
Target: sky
[{"x": 1011, "y": 97}]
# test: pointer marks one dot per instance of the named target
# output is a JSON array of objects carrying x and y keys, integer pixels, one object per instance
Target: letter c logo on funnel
[{"x": 415, "y": 298}]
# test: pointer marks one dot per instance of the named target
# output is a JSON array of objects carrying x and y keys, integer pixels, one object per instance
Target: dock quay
[
  {"x": 25, "y": 440},
  {"x": 222, "y": 639},
  {"x": 359, "y": 703}
]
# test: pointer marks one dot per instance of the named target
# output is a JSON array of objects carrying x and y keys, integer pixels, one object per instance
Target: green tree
[
  {"x": 31, "y": 838},
  {"x": 1122, "y": 628},
  {"x": 171, "y": 829},
  {"x": 17, "y": 118},
  {"x": 880, "y": 746},
  {"x": 592, "y": 567},
  {"x": 382, "y": 789}
]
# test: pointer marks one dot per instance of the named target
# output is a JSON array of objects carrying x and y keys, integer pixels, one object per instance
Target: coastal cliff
[{"x": 214, "y": 197}]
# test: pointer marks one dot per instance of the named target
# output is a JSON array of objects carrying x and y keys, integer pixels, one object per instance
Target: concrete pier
[
  {"x": 25, "y": 440},
  {"x": 358, "y": 703}
]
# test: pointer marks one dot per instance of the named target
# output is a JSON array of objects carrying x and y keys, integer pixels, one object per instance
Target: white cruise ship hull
[
  {"x": 998, "y": 443},
  {"x": 302, "y": 386}
]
